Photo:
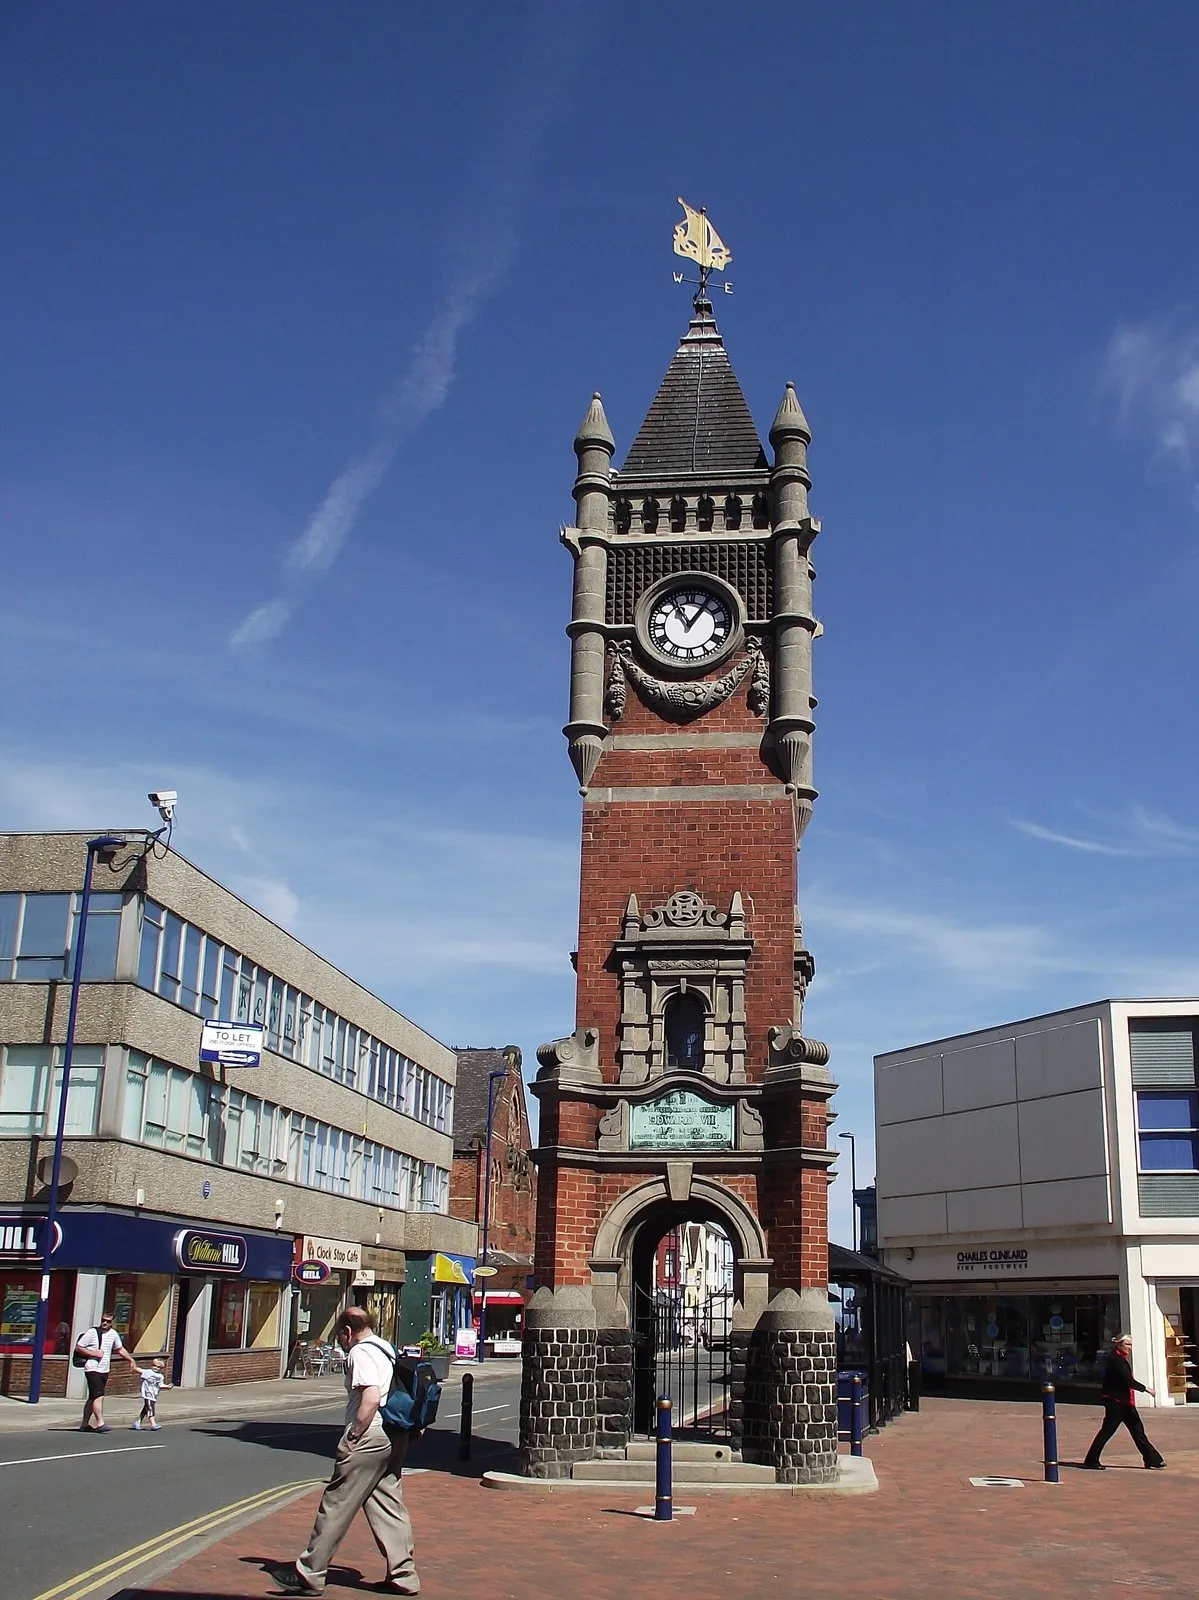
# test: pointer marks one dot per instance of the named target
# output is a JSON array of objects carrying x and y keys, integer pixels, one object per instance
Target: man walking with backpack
[{"x": 366, "y": 1472}]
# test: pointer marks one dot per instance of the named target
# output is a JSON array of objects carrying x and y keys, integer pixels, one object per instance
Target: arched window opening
[{"x": 684, "y": 1019}]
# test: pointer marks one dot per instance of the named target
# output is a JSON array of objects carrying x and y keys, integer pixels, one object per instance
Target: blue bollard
[
  {"x": 1049, "y": 1421},
  {"x": 663, "y": 1499},
  {"x": 855, "y": 1415}
]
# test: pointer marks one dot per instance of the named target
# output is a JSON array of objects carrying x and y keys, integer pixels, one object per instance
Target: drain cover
[{"x": 998, "y": 1483}]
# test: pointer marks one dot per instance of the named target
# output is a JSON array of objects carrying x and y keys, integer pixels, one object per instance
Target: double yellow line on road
[{"x": 107, "y": 1572}]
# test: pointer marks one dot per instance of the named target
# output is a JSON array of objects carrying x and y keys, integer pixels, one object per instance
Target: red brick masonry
[{"x": 1123, "y": 1533}]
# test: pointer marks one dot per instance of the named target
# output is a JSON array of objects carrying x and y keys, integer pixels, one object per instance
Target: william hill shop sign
[{"x": 203, "y": 1250}]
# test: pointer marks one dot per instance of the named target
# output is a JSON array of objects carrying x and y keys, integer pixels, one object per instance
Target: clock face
[{"x": 689, "y": 624}]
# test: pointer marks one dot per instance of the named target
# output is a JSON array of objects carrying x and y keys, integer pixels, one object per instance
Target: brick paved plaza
[{"x": 927, "y": 1531}]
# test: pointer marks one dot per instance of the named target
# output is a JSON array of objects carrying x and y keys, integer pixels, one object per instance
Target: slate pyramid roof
[{"x": 699, "y": 421}]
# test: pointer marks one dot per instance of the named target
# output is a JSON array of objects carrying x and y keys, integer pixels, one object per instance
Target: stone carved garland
[{"x": 683, "y": 702}]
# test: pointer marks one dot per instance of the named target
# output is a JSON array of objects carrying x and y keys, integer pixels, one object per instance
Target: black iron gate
[{"x": 681, "y": 1350}]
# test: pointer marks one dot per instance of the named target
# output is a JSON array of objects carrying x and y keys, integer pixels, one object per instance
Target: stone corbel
[
  {"x": 789, "y": 1048},
  {"x": 750, "y": 1135},
  {"x": 574, "y": 1059},
  {"x": 612, "y": 1135}
]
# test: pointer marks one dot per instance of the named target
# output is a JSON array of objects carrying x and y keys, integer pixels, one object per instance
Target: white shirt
[
  {"x": 369, "y": 1364},
  {"x": 151, "y": 1382},
  {"x": 108, "y": 1342}
]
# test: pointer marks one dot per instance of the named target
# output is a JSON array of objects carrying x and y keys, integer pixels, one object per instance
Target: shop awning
[
  {"x": 502, "y": 1297},
  {"x": 452, "y": 1269}
]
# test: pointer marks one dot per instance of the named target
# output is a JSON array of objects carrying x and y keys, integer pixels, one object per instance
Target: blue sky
[{"x": 300, "y": 308}]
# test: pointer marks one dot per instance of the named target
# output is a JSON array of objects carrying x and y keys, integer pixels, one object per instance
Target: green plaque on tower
[{"x": 680, "y": 1121}]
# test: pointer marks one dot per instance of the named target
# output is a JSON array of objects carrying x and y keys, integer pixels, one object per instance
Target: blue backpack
[{"x": 412, "y": 1401}]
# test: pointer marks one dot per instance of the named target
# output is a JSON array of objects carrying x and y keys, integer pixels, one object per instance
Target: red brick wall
[
  {"x": 14, "y": 1375},
  {"x": 717, "y": 847},
  {"x": 465, "y": 1185},
  {"x": 240, "y": 1366}
]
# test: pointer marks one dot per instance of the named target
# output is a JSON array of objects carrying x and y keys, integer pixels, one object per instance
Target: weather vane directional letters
[{"x": 697, "y": 239}]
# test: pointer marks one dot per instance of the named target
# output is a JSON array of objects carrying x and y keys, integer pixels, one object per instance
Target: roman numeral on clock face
[{"x": 689, "y": 624}]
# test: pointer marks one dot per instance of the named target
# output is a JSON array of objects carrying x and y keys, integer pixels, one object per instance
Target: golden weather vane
[{"x": 697, "y": 239}]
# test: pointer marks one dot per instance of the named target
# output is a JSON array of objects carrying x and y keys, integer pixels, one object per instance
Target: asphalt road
[{"x": 71, "y": 1501}]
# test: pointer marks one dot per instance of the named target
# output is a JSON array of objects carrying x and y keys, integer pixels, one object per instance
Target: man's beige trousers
[{"x": 366, "y": 1478}]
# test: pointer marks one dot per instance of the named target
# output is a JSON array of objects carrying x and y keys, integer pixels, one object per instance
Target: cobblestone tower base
[
  {"x": 790, "y": 1407},
  {"x": 558, "y": 1387}
]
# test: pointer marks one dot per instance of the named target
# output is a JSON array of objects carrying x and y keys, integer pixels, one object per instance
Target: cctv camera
[{"x": 164, "y": 802}]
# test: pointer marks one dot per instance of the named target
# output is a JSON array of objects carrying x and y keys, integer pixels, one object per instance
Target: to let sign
[
  {"x": 680, "y": 1121},
  {"x": 232, "y": 1044}
]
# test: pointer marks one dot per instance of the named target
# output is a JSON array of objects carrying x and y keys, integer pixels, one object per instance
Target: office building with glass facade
[
  {"x": 1038, "y": 1184},
  {"x": 224, "y": 1214}
]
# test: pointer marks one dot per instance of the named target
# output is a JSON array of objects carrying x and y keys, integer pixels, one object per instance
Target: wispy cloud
[
  {"x": 490, "y": 232},
  {"x": 1091, "y": 846},
  {"x": 1004, "y": 954},
  {"x": 1141, "y": 833},
  {"x": 264, "y": 623},
  {"x": 1151, "y": 369}
]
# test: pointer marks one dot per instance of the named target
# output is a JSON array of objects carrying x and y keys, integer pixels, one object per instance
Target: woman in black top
[{"x": 1120, "y": 1407}]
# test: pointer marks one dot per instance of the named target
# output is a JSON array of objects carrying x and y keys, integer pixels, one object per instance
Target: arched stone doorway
[{"x": 642, "y": 1335}]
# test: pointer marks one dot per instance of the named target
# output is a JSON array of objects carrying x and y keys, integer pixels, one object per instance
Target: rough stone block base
[
  {"x": 790, "y": 1401},
  {"x": 558, "y": 1383},
  {"x": 613, "y": 1388}
]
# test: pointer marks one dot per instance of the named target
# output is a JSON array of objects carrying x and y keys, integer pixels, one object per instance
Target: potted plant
[{"x": 436, "y": 1354}]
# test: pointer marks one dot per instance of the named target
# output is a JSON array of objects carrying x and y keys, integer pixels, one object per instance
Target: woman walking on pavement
[{"x": 1119, "y": 1406}]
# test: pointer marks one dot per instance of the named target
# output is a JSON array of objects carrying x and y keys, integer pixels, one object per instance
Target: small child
[{"x": 152, "y": 1382}]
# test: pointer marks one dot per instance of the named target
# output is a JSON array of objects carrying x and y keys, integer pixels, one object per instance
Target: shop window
[
  {"x": 1045, "y": 1338},
  {"x": 1168, "y": 1130},
  {"x": 19, "y": 1293},
  {"x": 228, "y": 1316},
  {"x": 141, "y": 1311},
  {"x": 25, "y": 1085},
  {"x": 262, "y": 1316},
  {"x": 245, "y": 1316}
]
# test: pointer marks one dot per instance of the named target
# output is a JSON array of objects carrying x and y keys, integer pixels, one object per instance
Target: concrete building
[
  {"x": 196, "y": 1192},
  {"x": 1038, "y": 1183}
]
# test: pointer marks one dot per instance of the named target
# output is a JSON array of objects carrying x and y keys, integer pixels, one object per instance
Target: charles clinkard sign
[
  {"x": 680, "y": 1121},
  {"x": 993, "y": 1261}
]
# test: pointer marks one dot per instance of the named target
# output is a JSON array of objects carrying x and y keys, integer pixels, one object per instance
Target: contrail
[{"x": 425, "y": 383}]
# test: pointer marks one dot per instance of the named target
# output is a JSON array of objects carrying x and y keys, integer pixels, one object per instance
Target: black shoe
[
  {"x": 1094, "y": 1466},
  {"x": 1155, "y": 1466},
  {"x": 289, "y": 1581}
]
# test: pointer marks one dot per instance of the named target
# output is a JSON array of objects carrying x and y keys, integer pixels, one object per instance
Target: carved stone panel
[{"x": 685, "y": 946}]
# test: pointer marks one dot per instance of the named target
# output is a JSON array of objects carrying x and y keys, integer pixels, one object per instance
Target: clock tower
[{"x": 687, "y": 1091}]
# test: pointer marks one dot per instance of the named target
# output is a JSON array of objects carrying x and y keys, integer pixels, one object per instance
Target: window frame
[{"x": 1150, "y": 1135}]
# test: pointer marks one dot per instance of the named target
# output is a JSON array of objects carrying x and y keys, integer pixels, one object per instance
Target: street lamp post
[
  {"x": 95, "y": 847},
  {"x": 853, "y": 1179},
  {"x": 511, "y": 1055}
]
